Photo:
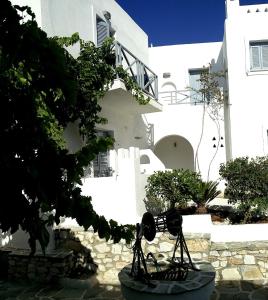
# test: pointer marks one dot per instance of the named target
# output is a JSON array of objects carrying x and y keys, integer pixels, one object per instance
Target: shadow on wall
[
  {"x": 20, "y": 239},
  {"x": 83, "y": 264},
  {"x": 143, "y": 133},
  {"x": 175, "y": 152}
]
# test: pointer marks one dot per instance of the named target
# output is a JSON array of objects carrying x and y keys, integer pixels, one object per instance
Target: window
[
  {"x": 144, "y": 159},
  {"x": 195, "y": 85},
  {"x": 101, "y": 163},
  {"x": 258, "y": 55},
  {"x": 104, "y": 30}
]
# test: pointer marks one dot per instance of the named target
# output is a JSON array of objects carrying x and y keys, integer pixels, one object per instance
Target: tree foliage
[
  {"x": 43, "y": 89},
  {"x": 247, "y": 185},
  {"x": 169, "y": 189}
]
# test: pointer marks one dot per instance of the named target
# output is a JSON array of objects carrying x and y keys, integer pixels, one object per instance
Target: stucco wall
[
  {"x": 181, "y": 119},
  {"x": 247, "y": 89},
  {"x": 65, "y": 17},
  {"x": 121, "y": 196}
]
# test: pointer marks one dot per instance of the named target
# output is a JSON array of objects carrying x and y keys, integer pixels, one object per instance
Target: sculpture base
[{"x": 198, "y": 285}]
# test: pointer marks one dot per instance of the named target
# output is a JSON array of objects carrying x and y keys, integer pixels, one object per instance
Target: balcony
[
  {"x": 142, "y": 75},
  {"x": 122, "y": 100}
]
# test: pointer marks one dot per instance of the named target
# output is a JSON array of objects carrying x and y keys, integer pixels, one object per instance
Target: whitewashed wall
[
  {"x": 248, "y": 89},
  {"x": 185, "y": 120},
  {"x": 121, "y": 196},
  {"x": 65, "y": 17}
]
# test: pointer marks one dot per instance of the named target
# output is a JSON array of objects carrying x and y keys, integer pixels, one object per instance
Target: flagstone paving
[{"x": 233, "y": 290}]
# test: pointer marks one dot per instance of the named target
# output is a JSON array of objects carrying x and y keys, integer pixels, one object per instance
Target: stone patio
[{"x": 225, "y": 290}]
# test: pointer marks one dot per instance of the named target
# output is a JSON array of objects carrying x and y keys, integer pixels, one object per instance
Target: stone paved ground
[
  {"x": 240, "y": 290},
  {"x": 233, "y": 290}
]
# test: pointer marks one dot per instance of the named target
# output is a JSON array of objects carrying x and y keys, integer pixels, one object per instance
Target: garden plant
[
  {"x": 177, "y": 188},
  {"x": 247, "y": 186}
]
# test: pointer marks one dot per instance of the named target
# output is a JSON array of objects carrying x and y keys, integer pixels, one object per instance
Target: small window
[
  {"x": 195, "y": 84},
  {"x": 144, "y": 159},
  {"x": 101, "y": 163},
  {"x": 166, "y": 75},
  {"x": 102, "y": 30},
  {"x": 259, "y": 55}
]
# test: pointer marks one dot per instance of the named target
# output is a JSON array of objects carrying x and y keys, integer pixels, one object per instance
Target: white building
[
  {"x": 246, "y": 59},
  {"x": 175, "y": 131}
]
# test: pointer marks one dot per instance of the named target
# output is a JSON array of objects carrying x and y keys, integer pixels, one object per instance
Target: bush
[
  {"x": 247, "y": 185},
  {"x": 169, "y": 189}
]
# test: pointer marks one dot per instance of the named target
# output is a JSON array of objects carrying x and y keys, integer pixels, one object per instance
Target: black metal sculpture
[
  {"x": 147, "y": 229},
  {"x": 177, "y": 269}
]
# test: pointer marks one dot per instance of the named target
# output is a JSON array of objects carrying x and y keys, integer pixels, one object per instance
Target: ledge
[
  {"x": 122, "y": 99},
  {"x": 239, "y": 233},
  {"x": 52, "y": 254},
  {"x": 239, "y": 245}
]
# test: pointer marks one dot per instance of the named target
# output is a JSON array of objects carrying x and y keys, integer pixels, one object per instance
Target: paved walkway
[{"x": 234, "y": 290}]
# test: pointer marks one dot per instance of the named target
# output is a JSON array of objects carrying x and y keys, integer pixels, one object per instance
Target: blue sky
[{"x": 169, "y": 22}]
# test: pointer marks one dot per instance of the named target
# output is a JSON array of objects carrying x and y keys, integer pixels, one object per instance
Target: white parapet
[
  {"x": 200, "y": 224},
  {"x": 239, "y": 233}
]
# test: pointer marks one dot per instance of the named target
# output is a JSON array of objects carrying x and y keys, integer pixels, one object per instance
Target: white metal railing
[
  {"x": 146, "y": 79},
  {"x": 174, "y": 97}
]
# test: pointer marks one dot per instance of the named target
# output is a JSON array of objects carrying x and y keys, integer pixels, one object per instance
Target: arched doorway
[{"x": 175, "y": 152}]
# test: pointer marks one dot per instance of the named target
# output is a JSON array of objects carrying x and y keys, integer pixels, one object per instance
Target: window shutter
[
  {"x": 195, "y": 84},
  {"x": 255, "y": 57},
  {"x": 102, "y": 31},
  {"x": 265, "y": 56}
]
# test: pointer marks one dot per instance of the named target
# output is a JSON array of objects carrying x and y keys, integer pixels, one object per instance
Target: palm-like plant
[{"x": 208, "y": 191}]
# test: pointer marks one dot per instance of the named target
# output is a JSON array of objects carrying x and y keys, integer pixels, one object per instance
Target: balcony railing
[
  {"x": 180, "y": 97},
  {"x": 143, "y": 75}
]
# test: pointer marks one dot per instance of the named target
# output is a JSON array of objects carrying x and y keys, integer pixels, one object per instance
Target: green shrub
[
  {"x": 169, "y": 189},
  {"x": 247, "y": 185}
]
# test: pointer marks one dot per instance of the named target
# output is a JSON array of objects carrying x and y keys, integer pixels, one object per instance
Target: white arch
[
  {"x": 175, "y": 152},
  {"x": 171, "y": 86}
]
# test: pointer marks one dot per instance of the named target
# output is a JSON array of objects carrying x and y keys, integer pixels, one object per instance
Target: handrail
[
  {"x": 145, "y": 78},
  {"x": 176, "y": 97}
]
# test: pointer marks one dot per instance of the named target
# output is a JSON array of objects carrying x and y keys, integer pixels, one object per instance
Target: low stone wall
[
  {"x": 111, "y": 258},
  {"x": 232, "y": 261},
  {"x": 240, "y": 261},
  {"x": 38, "y": 267}
]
